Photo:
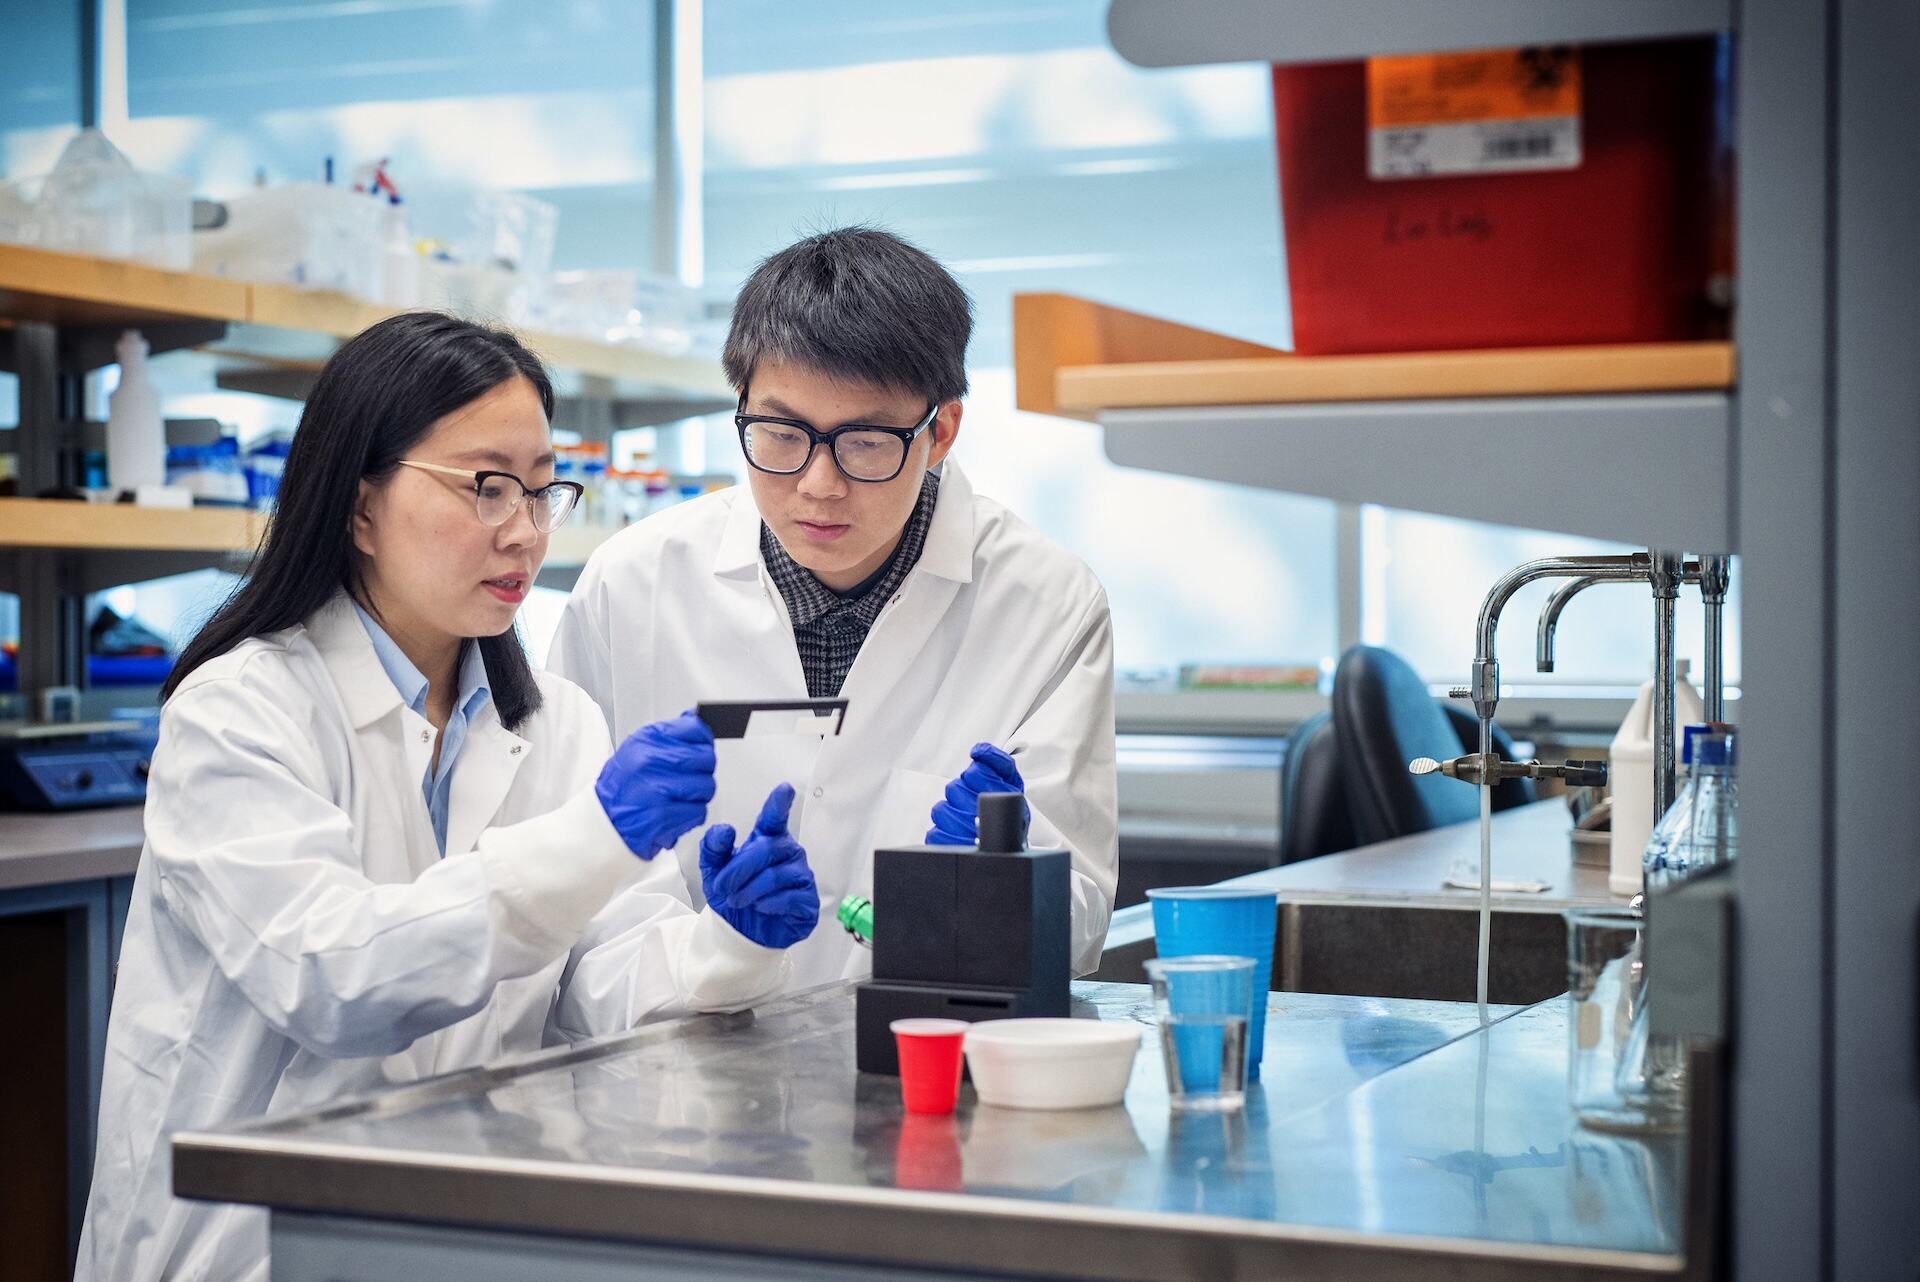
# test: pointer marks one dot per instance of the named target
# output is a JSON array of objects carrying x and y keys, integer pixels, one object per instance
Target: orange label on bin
[
  {"x": 1459, "y": 88},
  {"x": 1486, "y": 111}
]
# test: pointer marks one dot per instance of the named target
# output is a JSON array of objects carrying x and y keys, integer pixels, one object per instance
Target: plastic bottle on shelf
[
  {"x": 593, "y": 475},
  {"x": 1630, "y": 779},
  {"x": 1655, "y": 866},
  {"x": 1698, "y": 832},
  {"x": 136, "y": 436},
  {"x": 1704, "y": 833}
]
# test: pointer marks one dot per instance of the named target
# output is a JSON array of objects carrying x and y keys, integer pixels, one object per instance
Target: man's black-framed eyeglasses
[{"x": 862, "y": 451}]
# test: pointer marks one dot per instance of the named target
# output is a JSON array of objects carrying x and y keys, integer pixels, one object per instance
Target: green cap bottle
[{"x": 856, "y": 915}]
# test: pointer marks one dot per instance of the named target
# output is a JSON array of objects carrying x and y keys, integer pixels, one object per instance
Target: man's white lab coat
[{"x": 998, "y": 635}]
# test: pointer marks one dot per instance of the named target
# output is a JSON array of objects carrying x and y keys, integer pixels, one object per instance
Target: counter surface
[
  {"x": 1530, "y": 843},
  {"x": 73, "y": 845},
  {"x": 1388, "y": 1128}
]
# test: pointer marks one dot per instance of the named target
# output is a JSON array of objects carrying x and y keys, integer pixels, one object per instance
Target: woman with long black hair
[{"x": 380, "y": 846}]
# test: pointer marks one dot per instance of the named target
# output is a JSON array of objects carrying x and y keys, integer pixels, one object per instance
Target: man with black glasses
[{"x": 975, "y": 655}]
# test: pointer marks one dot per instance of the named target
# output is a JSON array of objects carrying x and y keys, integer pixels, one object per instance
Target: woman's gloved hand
[
  {"x": 765, "y": 889},
  {"x": 656, "y": 785},
  {"x": 956, "y": 816}
]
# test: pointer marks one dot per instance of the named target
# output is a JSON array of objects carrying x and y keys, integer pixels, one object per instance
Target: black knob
[
  {"x": 1002, "y": 822},
  {"x": 83, "y": 780}
]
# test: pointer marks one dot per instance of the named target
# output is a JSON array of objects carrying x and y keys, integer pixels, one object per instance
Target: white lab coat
[
  {"x": 998, "y": 635},
  {"x": 296, "y": 936}
]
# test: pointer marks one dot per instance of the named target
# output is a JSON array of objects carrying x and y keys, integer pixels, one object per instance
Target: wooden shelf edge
[
  {"x": 63, "y": 524},
  {"x": 40, "y": 284},
  {"x": 55, "y": 523},
  {"x": 1052, "y": 332},
  {"x": 341, "y": 316},
  {"x": 320, "y": 311},
  {"x": 1545, "y": 371},
  {"x": 694, "y": 375}
]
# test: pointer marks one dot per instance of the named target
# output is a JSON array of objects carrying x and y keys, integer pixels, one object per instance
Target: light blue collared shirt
[{"x": 437, "y": 787}]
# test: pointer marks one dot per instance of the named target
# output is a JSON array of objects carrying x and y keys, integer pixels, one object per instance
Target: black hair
[
  {"x": 378, "y": 396},
  {"x": 858, "y": 304}
]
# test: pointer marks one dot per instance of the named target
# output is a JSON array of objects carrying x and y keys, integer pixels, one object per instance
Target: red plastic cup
[{"x": 929, "y": 1062}]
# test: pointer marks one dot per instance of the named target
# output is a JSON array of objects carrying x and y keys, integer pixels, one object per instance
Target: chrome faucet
[
  {"x": 1664, "y": 573},
  {"x": 1485, "y": 693},
  {"x": 1716, "y": 574},
  {"x": 1587, "y": 570},
  {"x": 1668, "y": 571},
  {"x": 1543, "y": 642}
]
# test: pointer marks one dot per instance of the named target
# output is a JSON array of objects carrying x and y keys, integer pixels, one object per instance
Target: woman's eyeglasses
[{"x": 498, "y": 495}]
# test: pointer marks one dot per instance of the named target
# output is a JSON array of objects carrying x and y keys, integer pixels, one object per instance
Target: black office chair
[
  {"x": 1383, "y": 718},
  {"x": 1313, "y": 800}
]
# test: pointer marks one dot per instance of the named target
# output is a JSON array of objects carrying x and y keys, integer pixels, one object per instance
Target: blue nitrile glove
[
  {"x": 956, "y": 816},
  {"x": 656, "y": 785},
  {"x": 764, "y": 889}
]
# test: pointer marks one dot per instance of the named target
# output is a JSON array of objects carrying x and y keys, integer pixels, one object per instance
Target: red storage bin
[{"x": 1616, "y": 249}]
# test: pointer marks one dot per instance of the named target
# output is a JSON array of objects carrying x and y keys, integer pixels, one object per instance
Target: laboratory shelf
[
  {"x": 56, "y": 523},
  {"x": 1578, "y": 465},
  {"x": 296, "y": 330},
  {"x": 67, "y": 289},
  {"x": 1155, "y": 33},
  {"x": 1565, "y": 439},
  {"x": 278, "y": 337},
  {"x": 229, "y": 532}
]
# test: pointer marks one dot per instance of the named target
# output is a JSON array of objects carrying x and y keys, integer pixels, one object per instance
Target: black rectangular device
[{"x": 963, "y": 933}]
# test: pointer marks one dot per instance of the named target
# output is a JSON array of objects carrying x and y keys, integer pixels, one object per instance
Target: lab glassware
[
  {"x": 1201, "y": 1004},
  {"x": 1606, "y": 988},
  {"x": 1222, "y": 920}
]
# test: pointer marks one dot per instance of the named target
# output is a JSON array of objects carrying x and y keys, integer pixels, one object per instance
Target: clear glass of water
[
  {"x": 1203, "y": 1005},
  {"x": 1613, "y": 1074}
]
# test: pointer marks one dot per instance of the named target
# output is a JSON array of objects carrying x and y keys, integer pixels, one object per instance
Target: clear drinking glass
[
  {"x": 1201, "y": 1004},
  {"x": 1606, "y": 988}
]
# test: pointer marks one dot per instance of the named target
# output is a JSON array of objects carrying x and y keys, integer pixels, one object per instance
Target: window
[
  {"x": 1005, "y": 137},
  {"x": 1011, "y": 142},
  {"x": 39, "y": 87},
  {"x": 1425, "y": 577},
  {"x": 459, "y": 94}
]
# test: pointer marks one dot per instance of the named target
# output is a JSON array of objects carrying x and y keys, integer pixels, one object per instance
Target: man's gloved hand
[
  {"x": 656, "y": 785},
  {"x": 956, "y": 816},
  {"x": 765, "y": 889}
]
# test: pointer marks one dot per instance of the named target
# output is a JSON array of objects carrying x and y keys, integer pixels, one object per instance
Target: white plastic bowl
[{"x": 1051, "y": 1063}]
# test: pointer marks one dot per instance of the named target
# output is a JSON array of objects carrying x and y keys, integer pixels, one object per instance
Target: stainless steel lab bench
[
  {"x": 1380, "y": 919},
  {"x": 1390, "y": 1138}
]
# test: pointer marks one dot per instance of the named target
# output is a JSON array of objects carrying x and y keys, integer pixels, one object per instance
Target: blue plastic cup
[{"x": 1236, "y": 921}]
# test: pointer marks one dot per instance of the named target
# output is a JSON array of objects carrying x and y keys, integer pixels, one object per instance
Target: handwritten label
[{"x": 1414, "y": 227}]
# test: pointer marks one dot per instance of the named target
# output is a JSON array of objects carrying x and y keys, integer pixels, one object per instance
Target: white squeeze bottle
[
  {"x": 1630, "y": 779},
  {"x": 136, "y": 438}
]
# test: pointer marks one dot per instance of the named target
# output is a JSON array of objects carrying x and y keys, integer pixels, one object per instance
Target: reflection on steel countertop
[{"x": 1383, "y": 1126}]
